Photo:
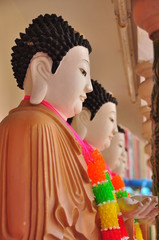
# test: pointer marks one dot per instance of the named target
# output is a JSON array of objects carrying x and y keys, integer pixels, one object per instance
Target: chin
[
  {"x": 122, "y": 175},
  {"x": 74, "y": 112},
  {"x": 77, "y": 110},
  {"x": 106, "y": 145},
  {"x": 102, "y": 148}
]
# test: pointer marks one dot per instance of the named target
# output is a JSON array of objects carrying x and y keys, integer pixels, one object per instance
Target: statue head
[
  {"x": 123, "y": 166},
  {"x": 115, "y": 152},
  {"x": 51, "y": 62},
  {"x": 96, "y": 123}
]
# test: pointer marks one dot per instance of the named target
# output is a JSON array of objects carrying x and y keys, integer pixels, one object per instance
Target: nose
[
  {"x": 115, "y": 129},
  {"x": 89, "y": 87},
  {"x": 123, "y": 152}
]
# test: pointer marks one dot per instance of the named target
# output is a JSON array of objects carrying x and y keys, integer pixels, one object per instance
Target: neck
[
  {"x": 61, "y": 114},
  {"x": 79, "y": 126},
  {"x": 47, "y": 104},
  {"x": 86, "y": 139}
]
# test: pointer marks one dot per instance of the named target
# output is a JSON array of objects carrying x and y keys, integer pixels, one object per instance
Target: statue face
[
  {"x": 116, "y": 150},
  {"x": 101, "y": 129},
  {"x": 121, "y": 169},
  {"x": 69, "y": 85},
  {"x": 123, "y": 164}
]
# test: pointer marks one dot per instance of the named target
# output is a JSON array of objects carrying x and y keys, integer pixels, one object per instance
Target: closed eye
[
  {"x": 83, "y": 72},
  {"x": 112, "y": 120}
]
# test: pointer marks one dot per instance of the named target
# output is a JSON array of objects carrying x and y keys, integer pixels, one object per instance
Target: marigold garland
[
  {"x": 138, "y": 232},
  {"x": 120, "y": 192},
  {"x": 121, "y": 223},
  {"x": 105, "y": 199},
  {"x": 108, "y": 215},
  {"x": 103, "y": 192},
  {"x": 108, "y": 178},
  {"x": 96, "y": 169},
  {"x": 118, "y": 183},
  {"x": 117, "y": 206}
]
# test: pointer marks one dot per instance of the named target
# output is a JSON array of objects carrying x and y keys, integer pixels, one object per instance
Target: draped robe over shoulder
[{"x": 45, "y": 192}]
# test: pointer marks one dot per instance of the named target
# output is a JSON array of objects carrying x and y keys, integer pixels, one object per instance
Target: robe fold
[{"x": 45, "y": 192}]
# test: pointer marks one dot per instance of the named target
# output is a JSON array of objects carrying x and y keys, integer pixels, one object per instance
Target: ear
[
  {"x": 84, "y": 118},
  {"x": 40, "y": 73},
  {"x": 80, "y": 123}
]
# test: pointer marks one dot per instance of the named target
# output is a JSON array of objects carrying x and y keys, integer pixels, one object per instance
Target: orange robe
[{"x": 45, "y": 192}]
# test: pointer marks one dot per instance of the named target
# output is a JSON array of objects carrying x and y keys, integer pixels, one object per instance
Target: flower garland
[
  {"x": 138, "y": 232},
  {"x": 111, "y": 223},
  {"x": 120, "y": 192}
]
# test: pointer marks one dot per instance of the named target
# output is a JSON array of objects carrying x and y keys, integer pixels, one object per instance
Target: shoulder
[
  {"x": 36, "y": 119},
  {"x": 27, "y": 118},
  {"x": 38, "y": 122}
]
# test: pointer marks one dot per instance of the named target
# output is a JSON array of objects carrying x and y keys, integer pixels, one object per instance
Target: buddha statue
[
  {"x": 96, "y": 125},
  {"x": 118, "y": 156},
  {"x": 45, "y": 190},
  {"x": 151, "y": 211},
  {"x": 144, "y": 215},
  {"x": 140, "y": 225},
  {"x": 116, "y": 150},
  {"x": 123, "y": 166}
]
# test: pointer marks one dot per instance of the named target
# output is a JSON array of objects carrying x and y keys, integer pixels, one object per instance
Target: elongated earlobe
[
  {"x": 85, "y": 116},
  {"x": 40, "y": 73},
  {"x": 84, "y": 119}
]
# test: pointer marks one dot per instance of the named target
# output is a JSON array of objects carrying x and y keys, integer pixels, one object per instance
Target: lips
[
  {"x": 110, "y": 137},
  {"x": 83, "y": 98}
]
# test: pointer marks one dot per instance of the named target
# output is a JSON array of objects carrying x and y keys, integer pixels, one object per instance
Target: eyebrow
[
  {"x": 112, "y": 111},
  {"x": 86, "y": 61}
]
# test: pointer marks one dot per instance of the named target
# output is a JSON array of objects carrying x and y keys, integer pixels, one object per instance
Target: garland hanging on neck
[
  {"x": 110, "y": 217},
  {"x": 120, "y": 192}
]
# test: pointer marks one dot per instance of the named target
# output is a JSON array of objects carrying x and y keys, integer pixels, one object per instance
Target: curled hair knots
[
  {"x": 97, "y": 98},
  {"x": 120, "y": 129},
  {"x": 110, "y": 98},
  {"x": 49, "y": 34},
  {"x": 20, "y": 61}
]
